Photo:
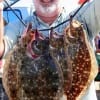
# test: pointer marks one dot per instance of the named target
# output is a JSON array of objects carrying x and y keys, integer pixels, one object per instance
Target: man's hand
[
  {"x": 1, "y": 1},
  {"x": 1, "y": 29},
  {"x": 1, "y": 5}
]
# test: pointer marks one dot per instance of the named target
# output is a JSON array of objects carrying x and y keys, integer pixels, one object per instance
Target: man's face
[{"x": 47, "y": 7}]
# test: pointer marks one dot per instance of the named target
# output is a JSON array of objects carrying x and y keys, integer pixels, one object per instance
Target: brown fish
[
  {"x": 82, "y": 58},
  {"x": 61, "y": 59}
]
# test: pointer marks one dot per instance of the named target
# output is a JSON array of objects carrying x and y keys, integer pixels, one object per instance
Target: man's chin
[{"x": 47, "y": 15}]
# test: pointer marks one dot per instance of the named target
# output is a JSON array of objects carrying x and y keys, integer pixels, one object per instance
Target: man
[{"x": 49, "y": 13}]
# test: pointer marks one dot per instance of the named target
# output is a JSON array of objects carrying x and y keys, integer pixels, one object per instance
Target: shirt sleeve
[
  {"x": 12, "y": 31},
  {"x": 90, "y": 15}
]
